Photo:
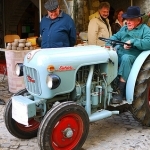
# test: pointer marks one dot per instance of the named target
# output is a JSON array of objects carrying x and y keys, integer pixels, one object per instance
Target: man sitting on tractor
[{"x": 137, "y": 35}]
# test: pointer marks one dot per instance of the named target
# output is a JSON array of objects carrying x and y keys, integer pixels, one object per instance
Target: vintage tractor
[{"x": 67, "y": 88}]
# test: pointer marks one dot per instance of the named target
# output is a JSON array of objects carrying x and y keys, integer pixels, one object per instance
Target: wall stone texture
[{"x": 144, "y": 5}]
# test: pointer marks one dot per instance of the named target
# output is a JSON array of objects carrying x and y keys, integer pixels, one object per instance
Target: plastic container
[{"x": 15, "y": 83}]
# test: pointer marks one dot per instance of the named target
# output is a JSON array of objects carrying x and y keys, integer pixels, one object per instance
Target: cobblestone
[{"x": 119, "y": 132}]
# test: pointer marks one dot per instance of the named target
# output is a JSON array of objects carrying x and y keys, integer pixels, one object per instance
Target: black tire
[
  {"x": 57, "y": 121},
  {"x": 16, "y": 129},
  {"x": 140, "y": 107}
]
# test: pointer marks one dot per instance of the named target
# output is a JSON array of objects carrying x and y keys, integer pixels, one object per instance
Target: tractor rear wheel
[
  {"x": 64, "y": 127},
  {"x": 140, "y": 107}
]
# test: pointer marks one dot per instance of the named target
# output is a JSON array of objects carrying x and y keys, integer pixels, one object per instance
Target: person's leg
[
  {"x": 125, "y": 66},
  {"x": 124, "y": 71}
]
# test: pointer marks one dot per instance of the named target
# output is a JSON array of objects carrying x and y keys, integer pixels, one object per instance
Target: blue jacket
[{"x": 59, "y": 32}]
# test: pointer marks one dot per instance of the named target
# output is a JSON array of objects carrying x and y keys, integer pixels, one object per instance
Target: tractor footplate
[{"x": 116, "y": 105}]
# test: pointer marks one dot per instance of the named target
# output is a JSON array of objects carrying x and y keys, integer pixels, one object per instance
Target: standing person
[
  {"x": 57, "y": 28},
  {"x": 99, "y": 25},
  {"x": 137, "y": 35},
  {"x": 119, "y": 21}
]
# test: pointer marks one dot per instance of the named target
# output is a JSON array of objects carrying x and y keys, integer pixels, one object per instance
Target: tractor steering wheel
[{"x": 113, "y": 42}]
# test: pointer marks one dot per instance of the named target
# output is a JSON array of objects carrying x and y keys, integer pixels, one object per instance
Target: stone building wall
[
  {"x": 144, "y": 5},
  {"x": 82, "y": 10}
]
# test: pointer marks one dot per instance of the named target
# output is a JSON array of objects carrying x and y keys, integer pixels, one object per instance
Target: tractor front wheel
[
  {"x": 64, "y": 127},
  {"x": 140, "y": 107},
  {"x": 16, "y": 129}
]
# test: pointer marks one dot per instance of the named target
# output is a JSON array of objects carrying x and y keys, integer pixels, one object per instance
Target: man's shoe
[{"x": 118, "y": 97}]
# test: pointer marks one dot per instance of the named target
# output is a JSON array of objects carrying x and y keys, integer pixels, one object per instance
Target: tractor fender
[{"x": 133, "y": 75}]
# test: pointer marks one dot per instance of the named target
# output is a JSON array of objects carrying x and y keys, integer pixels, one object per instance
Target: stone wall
[
  {"x": 81, "y": 15},
  {"x": 144, "y": 5}
]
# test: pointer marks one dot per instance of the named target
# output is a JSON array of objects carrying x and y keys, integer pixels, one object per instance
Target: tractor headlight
[
  {"x": 53, "y": 81},
  {"x": 19, "y": 69}
]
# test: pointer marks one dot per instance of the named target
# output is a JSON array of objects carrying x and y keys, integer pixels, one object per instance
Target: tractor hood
[{"x": 69, "y": 56}]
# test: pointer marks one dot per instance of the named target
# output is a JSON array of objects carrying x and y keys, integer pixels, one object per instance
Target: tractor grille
[{"x": 32, "y": 80}]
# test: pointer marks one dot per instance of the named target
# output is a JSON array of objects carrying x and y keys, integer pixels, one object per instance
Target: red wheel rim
[
  {"x": 33, "y": 125},
  {"x": 74, "y": 123}
]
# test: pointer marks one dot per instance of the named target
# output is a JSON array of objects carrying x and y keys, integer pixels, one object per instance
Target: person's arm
[
  {"x": 144, "y": 42},
  {"x": 116, "y": 36},
  {"x": 72, "y": 33},
  {"x": 92, "y": 32}
]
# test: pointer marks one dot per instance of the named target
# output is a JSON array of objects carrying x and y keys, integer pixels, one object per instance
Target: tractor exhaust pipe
[{"x": 101, "y": 114}]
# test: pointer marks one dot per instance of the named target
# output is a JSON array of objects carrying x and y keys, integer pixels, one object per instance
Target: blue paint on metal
[
  {"x": 133, "y": 75},
  {"x": 88, "y": 90},
  {"x": 101, "y": 115}
]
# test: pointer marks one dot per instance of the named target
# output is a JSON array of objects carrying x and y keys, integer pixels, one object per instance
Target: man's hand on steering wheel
[{"x": 128, "y": 45}]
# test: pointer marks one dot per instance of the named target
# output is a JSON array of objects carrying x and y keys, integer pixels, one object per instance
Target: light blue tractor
[{"x": 68, "y": 88}]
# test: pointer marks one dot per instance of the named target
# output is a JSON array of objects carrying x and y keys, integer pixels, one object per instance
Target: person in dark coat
[
  {"x": 115, "y": 27},
  {"x": 57, "y": 28}
]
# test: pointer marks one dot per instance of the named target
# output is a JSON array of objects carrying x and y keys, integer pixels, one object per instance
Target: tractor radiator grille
[{"x": 32, "y": 80}]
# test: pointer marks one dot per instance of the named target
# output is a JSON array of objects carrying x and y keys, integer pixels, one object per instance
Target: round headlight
[
  {"x": 53, "y": 81},
  {"x": 19, "y": 69}
]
